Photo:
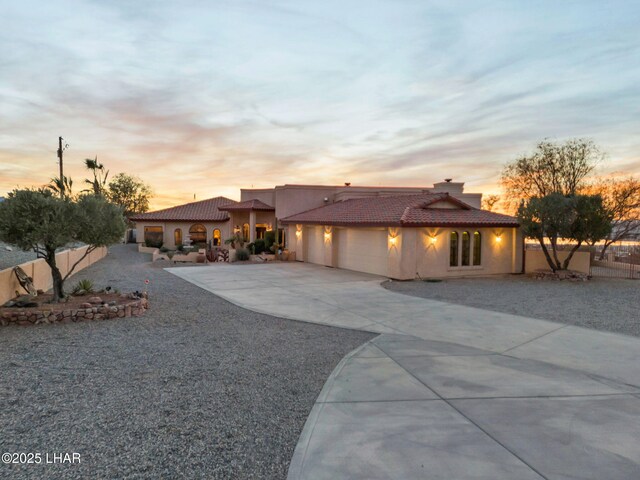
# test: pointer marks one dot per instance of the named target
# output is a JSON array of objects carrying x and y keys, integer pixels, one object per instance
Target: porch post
[{"x": 252, "y": 226}]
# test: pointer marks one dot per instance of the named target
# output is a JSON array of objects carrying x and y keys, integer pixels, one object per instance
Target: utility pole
[{"x": 61, "y": 174}]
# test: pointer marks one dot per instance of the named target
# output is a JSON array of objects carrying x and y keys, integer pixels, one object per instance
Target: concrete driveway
[{"x": 449, "y": 391}]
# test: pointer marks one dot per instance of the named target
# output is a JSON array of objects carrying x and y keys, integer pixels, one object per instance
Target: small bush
[
  {"x": 180, "y": 247},
  {"x": 269, "y": 239},
  {"x": 152, "y": 243},
  {"x": 85, "y": 286},
  {"x": 164, "y": 249},
  {"x": 242, "y": 254},
  {"x": 260, "y": 246}
]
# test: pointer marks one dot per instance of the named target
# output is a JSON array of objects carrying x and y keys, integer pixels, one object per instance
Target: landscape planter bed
[{"x": 110, "y": 308}]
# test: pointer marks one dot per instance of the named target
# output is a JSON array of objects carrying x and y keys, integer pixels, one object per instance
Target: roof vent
[{"x": 448, "y": 180}]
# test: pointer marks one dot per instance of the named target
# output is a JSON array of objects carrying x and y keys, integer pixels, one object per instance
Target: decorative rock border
[
  {"x": 133, "y": 308},
  {"x": 562, "y": 275}
]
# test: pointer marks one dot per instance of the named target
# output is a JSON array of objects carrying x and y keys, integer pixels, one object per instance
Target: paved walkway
[{"x": 449, "y": 391}]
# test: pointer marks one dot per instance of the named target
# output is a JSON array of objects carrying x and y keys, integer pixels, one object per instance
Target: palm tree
[
  {"x": 99, "y": 182},
  {"x": 62, "y": 187}
]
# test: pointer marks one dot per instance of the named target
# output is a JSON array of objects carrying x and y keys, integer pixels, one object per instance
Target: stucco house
[{"x": 398, "y": 232}]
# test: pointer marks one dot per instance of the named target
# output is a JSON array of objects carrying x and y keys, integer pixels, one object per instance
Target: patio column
[{"x": 252, "y": 226}]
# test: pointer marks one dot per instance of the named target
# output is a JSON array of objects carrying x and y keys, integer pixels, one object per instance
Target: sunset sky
[{"x": 205, "y": 97}]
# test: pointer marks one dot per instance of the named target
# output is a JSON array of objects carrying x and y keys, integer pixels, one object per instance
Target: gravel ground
[
  {"x": 603, "y": 304},
  {"x": 197, "y": 388}
]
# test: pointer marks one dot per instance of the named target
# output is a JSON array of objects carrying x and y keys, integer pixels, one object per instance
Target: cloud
[{"x": 204, "y": 98}]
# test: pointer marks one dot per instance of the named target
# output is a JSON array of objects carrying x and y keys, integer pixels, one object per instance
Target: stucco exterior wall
[
  {"x": 169, "y": 227},
  {"x": 405, "y": 253},
  {"x": 40, "y": 272},
  {"x": 292, "y": 199},
  {"x": 535, "y": 260},
  {"x": 497, "y": 256}
]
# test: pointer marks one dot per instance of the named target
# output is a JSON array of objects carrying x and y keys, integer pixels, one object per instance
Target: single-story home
[{"x": 398, "y": 232}]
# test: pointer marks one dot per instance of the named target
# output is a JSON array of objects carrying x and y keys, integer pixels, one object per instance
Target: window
[
  {"x": 477, "y": 248},
  {"x": 198, "y": 234},
  {"x": 153, "y": 236},
  {"x": 217, "y": 237},
  {"x": 453, "y": 250},
  {"x": 281, "y": 237},
  {"x": 177, "y": 237},
  {"x": 245, "y": 232},
  {"x": 466, "y": 249}
]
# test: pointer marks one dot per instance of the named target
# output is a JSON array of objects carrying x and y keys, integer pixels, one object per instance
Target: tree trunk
[
  {"x": 554, "y": 250},
  {"x": 565, "y": 265},
  {"x": 604, "y": 250},
  {"x": 546, "y": 254},
  {"x": 56, "y": 276}
]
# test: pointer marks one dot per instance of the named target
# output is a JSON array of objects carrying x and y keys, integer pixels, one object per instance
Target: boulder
[{"x": 94, "y": 300}]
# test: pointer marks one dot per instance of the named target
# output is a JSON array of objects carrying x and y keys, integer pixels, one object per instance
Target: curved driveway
[{"x": 449, "y": 391}]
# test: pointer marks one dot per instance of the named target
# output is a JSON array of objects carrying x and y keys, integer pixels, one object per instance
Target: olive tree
[
  {"x": 576, "y": 218},
  {"x": 37, "y": 220}
]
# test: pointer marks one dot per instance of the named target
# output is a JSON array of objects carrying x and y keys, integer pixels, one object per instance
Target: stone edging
[{"x": 134, "y": 308}]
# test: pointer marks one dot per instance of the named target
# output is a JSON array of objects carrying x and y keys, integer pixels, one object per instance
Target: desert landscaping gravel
[
  {"x": 607, "y": 304},
  {"x": 10, "y": 256},
  {"x": 197, "y": 388}
]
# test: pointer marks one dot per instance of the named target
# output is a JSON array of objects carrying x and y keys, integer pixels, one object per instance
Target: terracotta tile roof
[
  {"x": 202, "y": 211},
  {"x": 401, "y": 211},
  {"x": 248, "y": 205}
]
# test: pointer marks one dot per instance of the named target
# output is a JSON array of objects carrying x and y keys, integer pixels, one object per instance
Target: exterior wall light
[
  {"x": 498, "y": 238},
  {"x": 393, "y": 241},
  {"x": 433, "y": 239},
  {"x": 298, "y": 233},
  {"x": 327, "y": 234}
]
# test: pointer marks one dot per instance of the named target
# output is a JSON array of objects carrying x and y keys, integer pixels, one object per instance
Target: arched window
[
  {"x": 466, "y": 249},
  {"x": 477, "y": 248},
  {"x": 198, "y": 233},
  {"x": 245, "y": 232},
  {"x": 453, "y": 250},
  {"x": 217, "y": 237},
  {"x": 177, "y": 237}
]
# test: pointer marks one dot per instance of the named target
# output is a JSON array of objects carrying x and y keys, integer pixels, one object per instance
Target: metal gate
[{"x": 618, "y": 261}]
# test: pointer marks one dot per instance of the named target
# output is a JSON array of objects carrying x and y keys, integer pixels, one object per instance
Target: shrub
[
  {"x": 269, "y": 239},
  {"x": 180, "y": 247},
  {"x": 85, "y": 286},
  {"x": 259, "y": 246},
  {"x": 242, "y": 254},
  {"x": 152, "y": 243}
]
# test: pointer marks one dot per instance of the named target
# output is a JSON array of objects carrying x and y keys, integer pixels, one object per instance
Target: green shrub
[
  {"x": 85, "y": 286},
  {"x": 259, "y": 246},
  {"x": 269, "y": 239},
  {"x": 152, "y": 243},
  {"x": 242, "y": 254},
  {"x": 180, "y": 247},
  {"x": 164, "y": 249}
]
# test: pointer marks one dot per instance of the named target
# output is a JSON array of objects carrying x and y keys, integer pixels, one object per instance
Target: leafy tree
[
  {"x": 490, "y": 201},
  {"x": 129, "y": 193},
  {"x": 39, "y": 221},
  {"x": 621, "y": 198},
  {"x": 578, "y": 218},
  {"x": 99, "y": 182},
  {"x": 552, "y": 168}
]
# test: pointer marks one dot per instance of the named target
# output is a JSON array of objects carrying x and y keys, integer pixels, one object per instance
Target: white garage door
[
  {"x": 315, "y": 244},
  {"x": 362, "y": 250}
]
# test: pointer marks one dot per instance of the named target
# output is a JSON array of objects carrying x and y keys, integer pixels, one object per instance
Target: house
[{"x": 398, "y": 232}]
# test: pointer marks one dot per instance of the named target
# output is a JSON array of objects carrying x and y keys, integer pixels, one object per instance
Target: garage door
[
  {"x": 362, "y": 250},
  {"x": 315, "y": 244}
]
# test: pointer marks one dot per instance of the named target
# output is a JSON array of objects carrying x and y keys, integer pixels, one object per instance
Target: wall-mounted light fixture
[
  {"x": 298, "y": 231},
  {"x": 433, "y": 239},
  {"x": 327, "y": 234},
  {"x": 498, "y": 237}
]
